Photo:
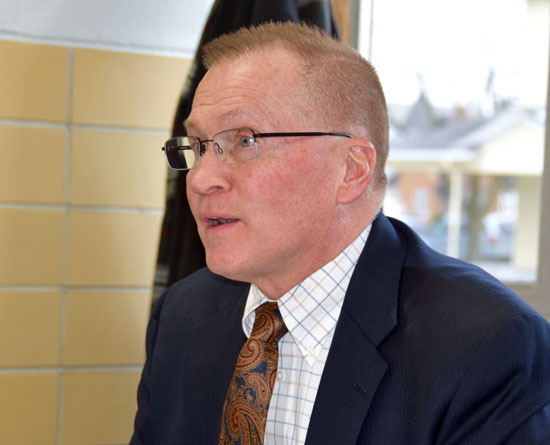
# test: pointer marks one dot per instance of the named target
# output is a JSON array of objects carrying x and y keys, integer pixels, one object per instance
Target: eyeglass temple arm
[{"x": 311, "y": 133}]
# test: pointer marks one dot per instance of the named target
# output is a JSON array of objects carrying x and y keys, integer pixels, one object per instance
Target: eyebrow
[
  {"x": 228, "y": 115},
  {"x": 186, "y": 125}
]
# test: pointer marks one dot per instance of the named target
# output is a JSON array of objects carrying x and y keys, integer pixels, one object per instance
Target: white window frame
[{"x": 536, "y": 293}]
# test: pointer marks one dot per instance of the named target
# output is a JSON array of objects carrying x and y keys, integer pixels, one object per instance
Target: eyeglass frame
[{"x": 203, "y": 145}]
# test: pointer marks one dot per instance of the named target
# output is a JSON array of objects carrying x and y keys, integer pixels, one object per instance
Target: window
[{"x": 466, "y": 83}]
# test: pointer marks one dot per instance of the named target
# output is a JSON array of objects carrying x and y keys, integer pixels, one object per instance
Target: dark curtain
[{"x": 181, "y": 251}]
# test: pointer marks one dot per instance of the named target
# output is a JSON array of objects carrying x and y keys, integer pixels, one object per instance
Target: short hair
[{"x": 337, "y": 79}]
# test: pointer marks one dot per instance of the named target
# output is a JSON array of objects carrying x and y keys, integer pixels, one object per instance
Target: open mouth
[{"x": 213, "y": 222}]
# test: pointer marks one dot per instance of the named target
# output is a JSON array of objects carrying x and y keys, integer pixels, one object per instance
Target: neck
[{"x": 275, "y": 287}]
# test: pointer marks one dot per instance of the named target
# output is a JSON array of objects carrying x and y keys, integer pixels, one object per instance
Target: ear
[{"x": 360, "y": 165}]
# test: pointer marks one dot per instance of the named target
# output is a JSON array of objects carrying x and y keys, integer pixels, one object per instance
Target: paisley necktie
[{"x": 247, "y": 402}]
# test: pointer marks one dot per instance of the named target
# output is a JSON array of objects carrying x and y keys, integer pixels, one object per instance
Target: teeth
[{"x": 218, "y": 221}]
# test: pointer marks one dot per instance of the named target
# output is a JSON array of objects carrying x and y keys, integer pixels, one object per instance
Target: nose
[{"x": 209, "y": 176}]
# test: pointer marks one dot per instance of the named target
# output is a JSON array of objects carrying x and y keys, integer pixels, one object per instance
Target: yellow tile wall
[
  {"x": 33, "y": 81},
  {"x": 32, "y": 246},
  {"x": 28, "y": 408},
  {"x": 33, "y": 164},
  {"x": 117, "y": 168},
  {"x": 98, "y": 407},
  {"x": 30, "y": 323},
  {"x": 112, "y": 248},
  {"x": 113, "y": 88},
  {"x": 114, "y": 335},
  {"x": 82, "y": 185}
]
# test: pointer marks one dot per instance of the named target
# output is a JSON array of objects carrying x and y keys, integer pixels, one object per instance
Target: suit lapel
[
  {"x": 347, "y": 387},
  {"x": 354, "y": 367}
]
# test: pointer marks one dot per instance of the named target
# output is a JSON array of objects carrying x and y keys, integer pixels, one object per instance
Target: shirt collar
[{"x": 311, "y": 309}]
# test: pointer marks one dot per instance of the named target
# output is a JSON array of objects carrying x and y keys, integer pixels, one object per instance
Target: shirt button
[
  {"x": 281, "y": 376},
  {"x": 311, "y": 353}
]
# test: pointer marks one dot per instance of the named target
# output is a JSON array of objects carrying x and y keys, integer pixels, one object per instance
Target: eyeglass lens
[
  {"x": 235, "y": 146},
  {"x": 180, "y": 153},
  {"x": 231, "y": 146}
]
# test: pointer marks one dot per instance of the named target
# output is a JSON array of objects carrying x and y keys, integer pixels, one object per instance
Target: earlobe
[{"x": 360, "y": 163}]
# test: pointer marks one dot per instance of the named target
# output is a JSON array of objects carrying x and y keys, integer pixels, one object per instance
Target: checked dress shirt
[{"x": 310, "y": 311}]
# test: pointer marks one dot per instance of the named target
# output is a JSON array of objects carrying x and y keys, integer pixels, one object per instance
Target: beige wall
[{"x": 81, "y": 196}]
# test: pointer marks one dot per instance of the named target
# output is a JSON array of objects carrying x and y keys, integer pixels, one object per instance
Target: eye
[{"x": 246, "y": 141}]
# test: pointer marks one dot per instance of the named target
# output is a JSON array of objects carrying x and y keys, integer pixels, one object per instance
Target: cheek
[
  {"x": 278, "y": 186},
  {"x": 293, "y": 200}
]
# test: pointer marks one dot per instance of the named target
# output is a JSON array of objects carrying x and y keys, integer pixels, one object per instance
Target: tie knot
[{"x": 268, "y": 325}]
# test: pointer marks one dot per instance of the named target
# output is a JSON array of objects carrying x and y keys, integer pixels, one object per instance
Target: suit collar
[
  {"x": 354, "y": 367},
  {"x": 207, "y": 357},
  {"x": 221, "y": 334},
  {"x": 372, "y": 295}
]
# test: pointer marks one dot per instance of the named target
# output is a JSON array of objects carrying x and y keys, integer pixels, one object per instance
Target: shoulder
[
  {"x": 401, "y": 283},
  {"x": 453, "y": 310},
  {"x": 467, "y": 359},
  {"x": 431, "y": 278},
  {"x": 460, "y": 314}
]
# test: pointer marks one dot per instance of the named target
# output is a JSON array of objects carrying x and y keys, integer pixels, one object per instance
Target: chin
[
  {"x": 221, "y": 267},
  {"x": 231, "y": 270}
]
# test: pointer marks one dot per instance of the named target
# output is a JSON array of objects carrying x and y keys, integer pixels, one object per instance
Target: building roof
[{"x": 425, "y": 134}]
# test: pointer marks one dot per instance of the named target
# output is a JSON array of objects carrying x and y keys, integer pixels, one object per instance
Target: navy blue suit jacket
[{"x": 427, "y": 350}]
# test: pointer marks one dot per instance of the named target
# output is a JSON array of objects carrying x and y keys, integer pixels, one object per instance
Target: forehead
[{"x": 255, "y": 89}]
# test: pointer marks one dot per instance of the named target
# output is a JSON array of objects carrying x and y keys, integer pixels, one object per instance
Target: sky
[{"x": 451, "y": 46}]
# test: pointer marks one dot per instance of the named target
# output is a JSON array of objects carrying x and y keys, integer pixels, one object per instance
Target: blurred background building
[{"x": 466, "y": 86}]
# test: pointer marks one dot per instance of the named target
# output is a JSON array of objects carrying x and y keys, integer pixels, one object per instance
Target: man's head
[
  {"x": 278, "y": 217},
  {"x": 340, "y": 88}
]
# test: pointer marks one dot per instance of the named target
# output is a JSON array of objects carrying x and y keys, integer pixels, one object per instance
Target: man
[{"x": 383, "y": 340}]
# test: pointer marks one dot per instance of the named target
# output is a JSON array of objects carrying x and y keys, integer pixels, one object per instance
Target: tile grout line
[
  {"x": 65, "y": 248},
  {"x": 81, "y": 208},
  {"x": 27, "y": 287},
  {"x": 59, "y": 369},
  {"x": 171, "y": 52},
  {"x": 32, "y": 123},
  {"x": 82, "y": 126},
  {"x": 122, "y": 129}
]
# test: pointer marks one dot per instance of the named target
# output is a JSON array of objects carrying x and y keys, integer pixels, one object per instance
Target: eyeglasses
[{"x": 231, "y": 146}]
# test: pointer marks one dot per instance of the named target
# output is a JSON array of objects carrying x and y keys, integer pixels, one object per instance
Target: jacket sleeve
[
  {"x": 504, "y": 394},
  {"x": 143, "y": 424}
]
